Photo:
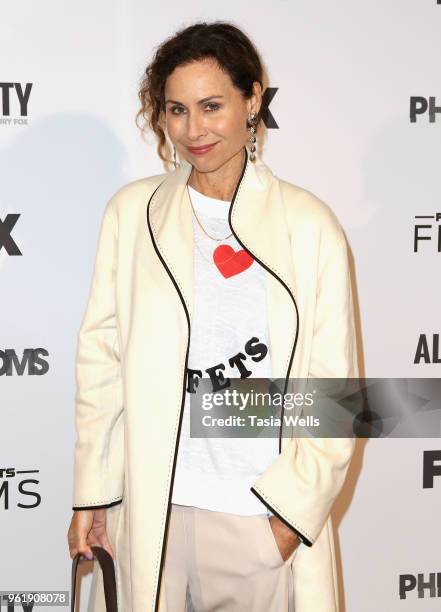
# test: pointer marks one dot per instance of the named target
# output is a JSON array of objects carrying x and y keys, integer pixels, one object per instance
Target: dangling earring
[
  {"x": 251, "y": 122},
  {"x": 174, "y": 157}
]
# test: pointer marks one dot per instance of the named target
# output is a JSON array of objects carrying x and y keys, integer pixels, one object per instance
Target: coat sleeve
[
  {"x": 301, "y": 485},
  {"x": 99, "y": 447}
]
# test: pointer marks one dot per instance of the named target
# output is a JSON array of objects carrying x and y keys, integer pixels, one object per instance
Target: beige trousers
[{"x": 223, "y": 562}]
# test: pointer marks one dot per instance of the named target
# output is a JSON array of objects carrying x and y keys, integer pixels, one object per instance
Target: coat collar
[
  {"x": 256, "y": 216},
  {"x": 258, "y": 219}
]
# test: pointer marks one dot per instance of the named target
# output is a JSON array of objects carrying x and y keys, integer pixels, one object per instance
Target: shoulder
[
  {"x": 305, "y": 211},
  {"x": 134, "y": 193}
]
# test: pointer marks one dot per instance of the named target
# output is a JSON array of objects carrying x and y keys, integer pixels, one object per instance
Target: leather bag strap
[{"x": 108, "y": 568}]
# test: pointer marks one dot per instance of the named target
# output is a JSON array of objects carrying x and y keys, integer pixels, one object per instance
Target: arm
[
  {"x": 301, "y": 485},
  {"x": 99, "y": 447}
]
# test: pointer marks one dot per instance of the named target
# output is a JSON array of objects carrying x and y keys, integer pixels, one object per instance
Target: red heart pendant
[{"x": 230, "y": 262}]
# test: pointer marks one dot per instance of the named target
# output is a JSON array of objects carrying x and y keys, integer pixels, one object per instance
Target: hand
[
  {"x": 88, "y": 528},
  {"x": 286, "y": 539}
]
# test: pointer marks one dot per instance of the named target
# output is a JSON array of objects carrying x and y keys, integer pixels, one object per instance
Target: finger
[{"x": 84, "y": 548}]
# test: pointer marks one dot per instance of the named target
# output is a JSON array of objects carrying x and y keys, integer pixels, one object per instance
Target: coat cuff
[
  {"x": 96, "y": 506},
  {"x": 300, "y": 535},
  {"x": 301, "y": 484}
]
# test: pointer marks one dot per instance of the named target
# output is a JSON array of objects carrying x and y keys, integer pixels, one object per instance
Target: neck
[{"x": 219, "y": 183}]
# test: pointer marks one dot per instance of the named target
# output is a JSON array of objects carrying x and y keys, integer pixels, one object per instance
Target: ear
[{"x": 255, "y": 102}]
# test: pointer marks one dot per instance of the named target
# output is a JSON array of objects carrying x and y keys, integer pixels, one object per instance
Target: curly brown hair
[{"x": 219, "y": 40}]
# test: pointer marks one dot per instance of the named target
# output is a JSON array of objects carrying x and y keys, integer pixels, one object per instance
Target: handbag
[{"x": 108, "y": 568}]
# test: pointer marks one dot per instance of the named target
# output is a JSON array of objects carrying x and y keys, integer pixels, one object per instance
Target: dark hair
[{"x": 225, "y": 43}]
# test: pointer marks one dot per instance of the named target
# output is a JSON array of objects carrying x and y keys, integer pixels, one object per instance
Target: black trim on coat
[
  {"x": 286, "y": 287},
  {"x": 115, "y": 503},
  {"x": 300, "y": 535},
  {"x": 167, "y": 519},
  {"x": 303, "y": 538}
]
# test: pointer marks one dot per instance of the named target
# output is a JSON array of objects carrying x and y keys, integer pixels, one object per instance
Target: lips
[{"x": 201, "y": 150}]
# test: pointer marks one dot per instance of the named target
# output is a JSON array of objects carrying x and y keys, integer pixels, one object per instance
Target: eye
[
  {"x": 173, "y": 108},
  {"x": 214, "y": 106},
  {"x": 210, "y": 106}
]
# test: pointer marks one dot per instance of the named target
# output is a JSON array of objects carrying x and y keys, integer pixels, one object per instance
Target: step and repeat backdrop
[{"x": 353, "y": 98}]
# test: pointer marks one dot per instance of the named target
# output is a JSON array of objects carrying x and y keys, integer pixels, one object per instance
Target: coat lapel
[{"x": 258, "y": 220}]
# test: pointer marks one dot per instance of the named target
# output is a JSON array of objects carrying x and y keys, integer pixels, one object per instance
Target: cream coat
[{"x": 132, "y": 357}]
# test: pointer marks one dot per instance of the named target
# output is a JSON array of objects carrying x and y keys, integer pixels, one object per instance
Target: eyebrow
[{"x": 200, "y": 101}]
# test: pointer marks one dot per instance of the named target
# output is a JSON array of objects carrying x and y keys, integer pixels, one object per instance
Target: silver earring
[
  {"x": 251, "y": 122},
  {"x": 174, "y": 157}
]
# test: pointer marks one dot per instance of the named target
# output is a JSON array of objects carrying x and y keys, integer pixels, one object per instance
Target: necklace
[
  {"x": 199, "y": 248},
  {"x": 200, "y": 224},
  {"x": 210, "y": 261}
]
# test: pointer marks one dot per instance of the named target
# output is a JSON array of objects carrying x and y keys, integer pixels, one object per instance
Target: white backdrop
[{"x": 345, "y": 75}]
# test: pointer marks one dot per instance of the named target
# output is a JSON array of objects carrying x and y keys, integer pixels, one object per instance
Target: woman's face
[{"x": 203, "y": 107}]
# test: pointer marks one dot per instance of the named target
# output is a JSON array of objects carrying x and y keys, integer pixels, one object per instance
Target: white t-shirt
[{"x": 229, "y": 312}]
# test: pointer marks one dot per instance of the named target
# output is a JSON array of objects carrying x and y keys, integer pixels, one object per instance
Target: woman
[{"x": 254, "y": 270}]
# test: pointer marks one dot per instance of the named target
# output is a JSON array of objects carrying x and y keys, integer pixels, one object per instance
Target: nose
[{"x": 195, "y": 126}]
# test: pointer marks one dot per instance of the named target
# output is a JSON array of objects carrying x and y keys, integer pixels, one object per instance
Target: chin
[{"x": 205, "y": 165}]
